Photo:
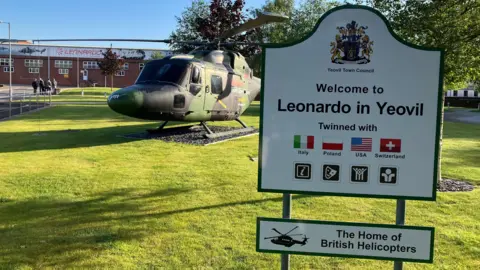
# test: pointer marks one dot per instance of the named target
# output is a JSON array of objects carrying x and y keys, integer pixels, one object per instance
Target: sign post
[
  {"x": 287, "y": 209},
  {"x": 399, "y": 220},
  {"x": 351, "y": 110}
]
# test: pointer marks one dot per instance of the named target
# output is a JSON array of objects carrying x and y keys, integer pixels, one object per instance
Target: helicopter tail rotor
[{"x": 305, "y": 238}]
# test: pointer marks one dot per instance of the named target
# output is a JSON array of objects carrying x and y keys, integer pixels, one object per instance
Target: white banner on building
[{"x": 75, "y": 52}]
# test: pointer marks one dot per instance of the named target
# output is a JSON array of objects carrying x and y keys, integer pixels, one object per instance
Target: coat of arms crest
[{"x": 352, "y": 45}]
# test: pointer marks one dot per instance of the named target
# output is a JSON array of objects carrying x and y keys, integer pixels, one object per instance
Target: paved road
[{"x": 462, "y": 115}]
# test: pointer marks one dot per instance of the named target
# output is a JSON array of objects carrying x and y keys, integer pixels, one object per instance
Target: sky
[{"x": 55, "y": 19}]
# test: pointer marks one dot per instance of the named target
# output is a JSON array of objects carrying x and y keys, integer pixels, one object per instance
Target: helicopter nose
[{"x": 126, "y": 101}]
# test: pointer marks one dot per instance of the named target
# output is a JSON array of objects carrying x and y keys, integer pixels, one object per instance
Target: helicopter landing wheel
[{"x": 159, "y": 129}]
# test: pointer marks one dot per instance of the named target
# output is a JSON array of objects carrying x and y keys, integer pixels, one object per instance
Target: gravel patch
[
  {"x": 190, "y": 135},
  {"x": 449, "y": 185}
]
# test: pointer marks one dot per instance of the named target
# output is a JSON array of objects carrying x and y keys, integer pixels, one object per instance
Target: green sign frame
[
  {"x": 352, "y": 224},
  {"x": 438, "y": 120}
]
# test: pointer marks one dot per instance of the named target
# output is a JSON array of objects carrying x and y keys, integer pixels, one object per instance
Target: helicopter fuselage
[
  {"x": 185, "y": 88},
  {"x": 287, "y": 241}
]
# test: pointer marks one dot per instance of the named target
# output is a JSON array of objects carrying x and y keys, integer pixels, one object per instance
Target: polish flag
[{"x": 332, "y": 144}]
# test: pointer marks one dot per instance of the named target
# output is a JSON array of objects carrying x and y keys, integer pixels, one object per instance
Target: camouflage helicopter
[{"x": 207, "y": 84}]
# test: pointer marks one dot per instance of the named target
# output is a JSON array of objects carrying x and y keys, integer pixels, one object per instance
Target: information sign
[
  {"x": 341, "y": 239},
  {"x": 351, "y": 110}
]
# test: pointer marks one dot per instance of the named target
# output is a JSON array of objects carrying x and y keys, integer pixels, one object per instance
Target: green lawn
[
  {"x": 90, "y": 199},
  {"x": 90, "y": 94}
]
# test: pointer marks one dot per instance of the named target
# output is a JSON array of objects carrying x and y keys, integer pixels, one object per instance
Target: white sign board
[
  {"x": 351, "y": 111},
  {"x": 341, "y": 239}
]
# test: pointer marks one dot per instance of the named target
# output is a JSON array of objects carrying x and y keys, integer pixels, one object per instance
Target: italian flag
[{"x": 303, "y": 142}]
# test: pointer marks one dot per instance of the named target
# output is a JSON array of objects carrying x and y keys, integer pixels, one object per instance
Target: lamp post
[{"x": 9, "y": 67}]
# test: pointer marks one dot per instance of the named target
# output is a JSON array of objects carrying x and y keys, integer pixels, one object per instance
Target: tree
[
  {"x": 187, "y": 25},
  {"x": 278, "y": 32},
  {"x": 110, "y": 64},
  {"x": 301, "y": 21},
  {"x": 202, "y": 22},
  {"x": 450, "y": 24},
  {"x": 157, "y": 55}
]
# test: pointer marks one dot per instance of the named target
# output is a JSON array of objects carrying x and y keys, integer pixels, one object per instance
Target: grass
[
  {"x": 90, "y": 199},
  {"x": 90, "y": 94}
]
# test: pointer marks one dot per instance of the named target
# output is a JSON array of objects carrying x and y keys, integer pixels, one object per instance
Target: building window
[
  {"x": 63, "y": 64},
  {"x": 33, "y": 70},
  {"x": 90, "y": 65},
  {"x": 63, "y": 71},
  {"x": 33, "y": 63},
  {"x": 141, "y": 65},
  {"x": 4, "y": 61},
  {"x": 120, "y": 73},
  {"x": 5, "y": 69},
  {"x": 125, "y": 66}
]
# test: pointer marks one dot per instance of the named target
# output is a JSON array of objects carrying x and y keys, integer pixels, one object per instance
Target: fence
[
  {"x": 468, "y": 102},
  {"x": 23, "y": 104}
]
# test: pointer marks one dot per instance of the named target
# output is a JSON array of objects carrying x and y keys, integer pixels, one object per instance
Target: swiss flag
[{"x": 390, "y": 145}]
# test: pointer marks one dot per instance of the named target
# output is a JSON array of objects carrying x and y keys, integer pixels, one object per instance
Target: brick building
[{"x": 71, "y": 66}]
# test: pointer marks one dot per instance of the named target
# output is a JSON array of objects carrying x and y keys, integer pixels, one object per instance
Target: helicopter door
[
  {"x": 196, "y": 87},
  {"x": 214, "y": 88}
]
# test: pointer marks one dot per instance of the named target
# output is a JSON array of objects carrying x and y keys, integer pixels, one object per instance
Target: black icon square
[
  {"x": 331, "y": 172},
  {"x": 303, "y": 171},
  {"x": 388, "y": 175},
  {"x": 359, "y": 174}
]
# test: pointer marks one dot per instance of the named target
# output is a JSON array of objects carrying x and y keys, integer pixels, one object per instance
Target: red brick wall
[{"x": 22, "y": 76}]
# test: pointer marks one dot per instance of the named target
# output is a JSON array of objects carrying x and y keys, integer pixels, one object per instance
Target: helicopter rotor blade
[
  {"x": 262, "y": 19},
  {"x": 168, "y": 41},
  {"x": 106, "y": 39},
  {"x": 277, "y": 231},
  {"x": 241, "y": 43},
  {"x": 291, "y": 230}
]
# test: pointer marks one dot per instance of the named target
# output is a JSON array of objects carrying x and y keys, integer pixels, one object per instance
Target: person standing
[
  {"x": 42, "y": 86},
  {"x": 49, "y": 85},
  {"x": 35, "y": 85},
  {"x": 54, "y": 86}
]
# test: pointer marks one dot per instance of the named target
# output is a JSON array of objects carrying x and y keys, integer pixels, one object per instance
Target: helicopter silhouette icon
[{"x": 287, "y": 240}]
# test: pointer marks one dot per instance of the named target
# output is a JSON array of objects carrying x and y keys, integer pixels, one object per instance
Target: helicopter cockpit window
[
  {"x": 217, "y": 85},
  {"x": 163, "y": 71},
  {"x": 196, "y": 78}
]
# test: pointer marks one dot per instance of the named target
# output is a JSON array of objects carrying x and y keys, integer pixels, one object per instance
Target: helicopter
[
  {"x": 287, "y": 240},
  {"x": 207, "y": 84}
]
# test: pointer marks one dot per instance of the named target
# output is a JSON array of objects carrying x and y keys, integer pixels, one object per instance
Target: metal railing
[{"x": 23, "y": 103}]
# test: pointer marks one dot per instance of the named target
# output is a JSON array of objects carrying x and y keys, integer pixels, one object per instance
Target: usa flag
[{"x": 362, "y": 144}]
